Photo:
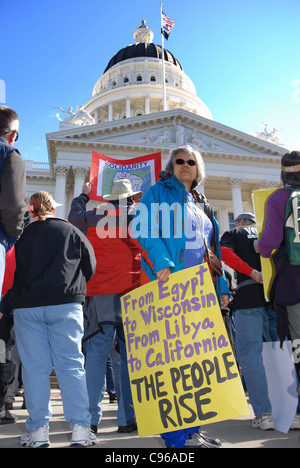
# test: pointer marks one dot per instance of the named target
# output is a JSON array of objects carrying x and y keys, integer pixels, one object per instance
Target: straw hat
[{"x": 122, "y": 189}]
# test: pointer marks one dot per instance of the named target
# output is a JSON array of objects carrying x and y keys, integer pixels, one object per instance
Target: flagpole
[{"x": 163, "y": 61}]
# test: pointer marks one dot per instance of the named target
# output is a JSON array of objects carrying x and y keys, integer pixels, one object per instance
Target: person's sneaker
[
  {"x": 263, "y": 422},
  {"x": 39, "y": 438},
  {"x": 197, "y": 439},
  {"x": 296, "y": 422},
  {"x": 83, "y": 436},
  {"x": 7, "y": 418}
]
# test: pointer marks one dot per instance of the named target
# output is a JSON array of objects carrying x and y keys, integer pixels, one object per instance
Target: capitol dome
[
  {"x": 143, "y": 47},
  {"x": 131, "y": 84}
]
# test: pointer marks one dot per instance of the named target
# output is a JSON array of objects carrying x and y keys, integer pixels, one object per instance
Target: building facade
[{"x": 125, "y": 119}]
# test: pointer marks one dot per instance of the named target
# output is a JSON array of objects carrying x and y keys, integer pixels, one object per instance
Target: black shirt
[{"x": 241, "y": 240}]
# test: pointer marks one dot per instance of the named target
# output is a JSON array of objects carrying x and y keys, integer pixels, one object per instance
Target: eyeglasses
[
  {"x": 12, "y": 131},
  {"x": 190, "y": 162}
]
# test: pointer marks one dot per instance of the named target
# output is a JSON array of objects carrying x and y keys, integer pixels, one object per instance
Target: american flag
[
  {"x": 167, "y": 24},
  {"x": 168, "y": 21}
]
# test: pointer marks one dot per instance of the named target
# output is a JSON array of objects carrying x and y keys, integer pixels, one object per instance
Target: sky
[{"x": 242, "y": 56}]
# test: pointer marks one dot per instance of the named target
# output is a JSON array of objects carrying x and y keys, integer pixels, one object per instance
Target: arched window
[
  {"x": 139, "y": 78},
  {"x": 126, "y": 79},
  {"x": 152, "y": 78}
]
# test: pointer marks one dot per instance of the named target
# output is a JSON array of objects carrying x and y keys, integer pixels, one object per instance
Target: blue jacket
[
  {"x": 161, "y": 234},
  {"x": 12, "y": 194}
]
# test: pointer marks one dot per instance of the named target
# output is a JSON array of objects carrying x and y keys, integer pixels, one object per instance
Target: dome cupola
[
  {"x": 132, "y": 83},
  {"x": 143, "y": 34}
]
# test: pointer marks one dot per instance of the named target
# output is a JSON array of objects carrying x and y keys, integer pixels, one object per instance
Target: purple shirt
[
  {"x": 287, "y": 281},
  {"x": 272, "y": 236}
]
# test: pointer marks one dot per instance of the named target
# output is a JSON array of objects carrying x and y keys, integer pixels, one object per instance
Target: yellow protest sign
[
  {"x": 181, "y": 366},
  {"x": 260, "y": 199}
]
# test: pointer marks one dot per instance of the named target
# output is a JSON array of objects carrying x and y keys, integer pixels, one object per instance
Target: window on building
[
  {"x": 139, "y": 78},
  {"x": 126, "y": 79},
  {"x": 231, "y": 220},
  {"x": 152, "y": 78}
]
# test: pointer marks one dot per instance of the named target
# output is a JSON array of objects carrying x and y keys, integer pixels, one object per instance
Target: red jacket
[{"x": 118, "y": 259}]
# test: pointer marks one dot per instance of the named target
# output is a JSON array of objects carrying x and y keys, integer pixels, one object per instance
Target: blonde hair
[{"x": 42, "y": 204}]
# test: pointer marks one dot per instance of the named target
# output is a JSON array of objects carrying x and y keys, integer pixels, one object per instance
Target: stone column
[
  {"x": 127, "y": 108},
  {"x": 110, "y": 112},
  {"x": 147, "y": 105},
  {"x": 235, "y": 185},
  {"x": 60, "y": 189},
  {"x": 79, "y": 176}
]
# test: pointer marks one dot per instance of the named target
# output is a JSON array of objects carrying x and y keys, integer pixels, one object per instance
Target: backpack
[{"x": 292, "y": 227}]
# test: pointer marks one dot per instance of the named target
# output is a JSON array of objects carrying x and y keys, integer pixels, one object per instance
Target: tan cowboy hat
[{"x": 122, "y": 189}]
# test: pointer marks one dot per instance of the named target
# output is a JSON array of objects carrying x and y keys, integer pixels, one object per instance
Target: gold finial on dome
[{"x": 143, "y": 34}]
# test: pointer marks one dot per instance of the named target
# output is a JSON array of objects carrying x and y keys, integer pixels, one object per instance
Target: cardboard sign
[
  {"x": 142, "y": 172},
  {"x": 181, "y": 366}
]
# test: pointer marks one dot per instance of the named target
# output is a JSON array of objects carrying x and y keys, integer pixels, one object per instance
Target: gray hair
[{"x": 200, "y": 176}]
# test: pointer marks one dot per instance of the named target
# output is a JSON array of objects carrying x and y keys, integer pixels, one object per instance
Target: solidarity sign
[
  {"x": 181, "y": 366},
  {"x": 142, "y": 172}
]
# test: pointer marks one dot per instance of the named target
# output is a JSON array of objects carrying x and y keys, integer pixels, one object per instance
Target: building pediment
[{"x": 163, "y": 131}]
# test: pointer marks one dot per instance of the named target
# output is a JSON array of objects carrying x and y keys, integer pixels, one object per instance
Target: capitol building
[{"x": 126, "y": 118}]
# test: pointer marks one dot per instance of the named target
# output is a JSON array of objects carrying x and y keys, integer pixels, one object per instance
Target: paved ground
[{"x": 233, "y": 434}]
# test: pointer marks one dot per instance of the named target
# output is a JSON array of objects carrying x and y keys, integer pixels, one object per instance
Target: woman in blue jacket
[{"x": 171, "y": 225}]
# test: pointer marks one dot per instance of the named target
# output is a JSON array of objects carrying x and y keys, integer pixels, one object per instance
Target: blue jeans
[
  {"x": 97, "y": 350},
  {"x": 50, "y": 337},
  {"x": 252, "y": 325}
]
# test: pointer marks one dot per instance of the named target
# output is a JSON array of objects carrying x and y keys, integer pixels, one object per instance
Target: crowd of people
[{"x": 62, "y": 282}]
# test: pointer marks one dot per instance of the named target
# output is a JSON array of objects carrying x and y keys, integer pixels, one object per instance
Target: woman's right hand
[{"x": 163, "y": 275}]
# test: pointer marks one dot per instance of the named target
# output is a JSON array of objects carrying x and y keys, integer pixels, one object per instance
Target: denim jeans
[
  {"x": 50, "y": 337},
  {"x": 97, "y": 350},
  {"x": 252, "y": 325}
]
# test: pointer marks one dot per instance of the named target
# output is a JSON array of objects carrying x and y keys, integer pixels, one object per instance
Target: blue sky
[{"x": 243, "y": 57}]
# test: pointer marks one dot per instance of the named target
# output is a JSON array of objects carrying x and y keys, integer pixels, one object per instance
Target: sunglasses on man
[{"x": 12, "y": 131}]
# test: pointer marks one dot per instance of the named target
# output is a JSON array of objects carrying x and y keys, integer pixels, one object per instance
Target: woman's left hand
[{"x": 163, "y": 275}]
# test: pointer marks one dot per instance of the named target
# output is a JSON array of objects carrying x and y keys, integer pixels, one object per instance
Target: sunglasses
[
  {"x": 12, "y": 131},
  {"x": 190, "y": 162}
]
